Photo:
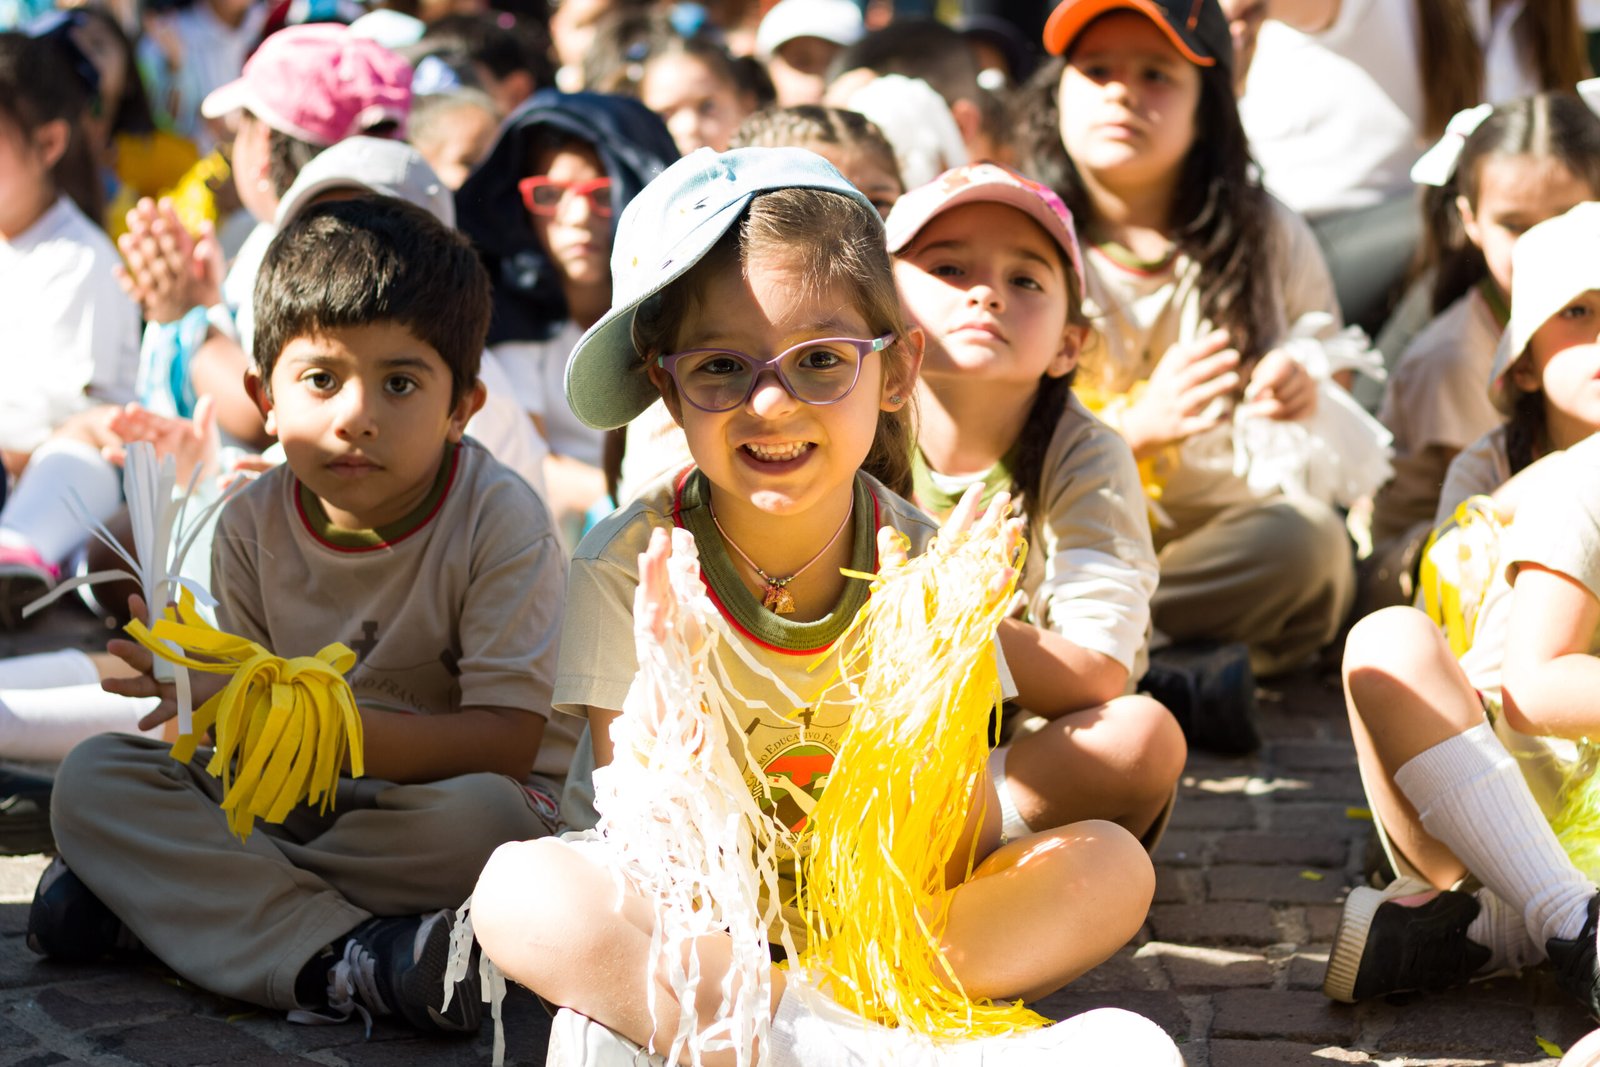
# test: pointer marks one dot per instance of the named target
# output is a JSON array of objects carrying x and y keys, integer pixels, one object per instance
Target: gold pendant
[{"x": 778, "y": 600}]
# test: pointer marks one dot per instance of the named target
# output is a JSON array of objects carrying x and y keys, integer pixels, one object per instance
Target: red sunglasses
[{"x": 543, "y": 196}]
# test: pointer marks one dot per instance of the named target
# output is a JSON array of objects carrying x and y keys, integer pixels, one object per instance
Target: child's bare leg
[
  {"x": 1038, "y": 913},
  {"x": 555, "y": 921},
  {"x": 1405, "y": 693},
  {"x": 1117, "y": 762}
]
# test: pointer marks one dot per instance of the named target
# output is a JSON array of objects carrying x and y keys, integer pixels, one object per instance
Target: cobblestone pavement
[{"x": 1249, "y": 883}]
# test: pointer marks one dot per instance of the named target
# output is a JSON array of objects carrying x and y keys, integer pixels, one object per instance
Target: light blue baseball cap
[{"x": 663, "y": 232}]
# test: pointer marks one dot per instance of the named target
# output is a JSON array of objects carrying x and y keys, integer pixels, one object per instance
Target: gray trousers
[{"x": 241, "y": 918}]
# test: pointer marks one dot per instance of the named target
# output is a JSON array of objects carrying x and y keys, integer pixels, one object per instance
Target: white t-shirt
[
  {"x": 69, "y": 335},
  {"x": 537, "y": 371},
  {"x": 1334, "y": 118},
  {"x": 504, "y": 428}
]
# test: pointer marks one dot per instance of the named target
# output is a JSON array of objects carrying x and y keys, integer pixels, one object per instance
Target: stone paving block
[
  {"x": 1304, "y": 786},
  {"x": 1207, "y": 812},
  {"x": 1481, "y": 1028},
  {"x": 1174, "y": 886},
  {"x": 1236, "y": 1053},
  {"x": 1120, "y": 972},
  {"x": 435, "y": 1052},
  {"x": 1306, "y": 967},
  {"x": 1190, "y": 967},
  {"x": 1310, "y": 755},
  {"x": 1322, "y": 922},
  {"x": 1291, "y": 1015},
  {"x": 1335, "y": 818},
  {"x": 1306, "y": 850},
  {"x": 18, "y": 876},
  {"x": 1182, "y": 848},
  {"x": 1223, "y": 923},
  {"x": 1288, "y": 885},
  {"x": 1275, "y": 723},
  {"x": 190, "y": 1043},
  {"x": 1161, "y": 1007},
  {"x": 37, "y": 1059},
  {"x": 13, "y": 917},
  {"x": 107, "y": 1002}
]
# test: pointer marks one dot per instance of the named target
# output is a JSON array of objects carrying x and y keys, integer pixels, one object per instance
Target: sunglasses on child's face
[
  {"x": 543, "y": 196},
  {"x": 817, "y": 372}
]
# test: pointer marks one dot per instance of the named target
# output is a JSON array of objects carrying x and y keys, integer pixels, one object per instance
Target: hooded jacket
[{"x": 633, "y": 145}]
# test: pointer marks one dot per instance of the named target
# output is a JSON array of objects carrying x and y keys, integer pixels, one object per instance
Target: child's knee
[
  {"x": 1161, "y": 745},
  {"x": 1391, "y": 641},
  {"x": 520, "y": 887}
]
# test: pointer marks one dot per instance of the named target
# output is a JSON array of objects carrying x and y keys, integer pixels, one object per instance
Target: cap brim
[
  {"x": 1068, "y": 20},
  {"x": 607, "y": 387},
  {"x": 903, "y": 227},
  {"x": 226, "y": 99}
]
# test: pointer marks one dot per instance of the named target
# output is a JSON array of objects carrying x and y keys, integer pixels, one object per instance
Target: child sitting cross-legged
[{"x": 390, "y": 532}]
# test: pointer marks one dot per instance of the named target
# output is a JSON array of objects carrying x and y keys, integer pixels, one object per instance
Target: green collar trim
[
  {"x": 1126, "y": 258},
  {"x": 742, "y": 608},
  {"x": 1499, "y": 306},
  {"x": 316, "y": 520},
  {"x": 927, "y": 495}
]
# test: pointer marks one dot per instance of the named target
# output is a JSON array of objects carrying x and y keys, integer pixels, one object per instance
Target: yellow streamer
[
  {"x": 1459, "y": 562},
  {"x": 282, "y": 725},
  {"x": 920, "y": 663}
]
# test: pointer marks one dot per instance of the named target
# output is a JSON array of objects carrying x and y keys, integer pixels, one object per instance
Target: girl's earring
[{"x": 896, "y": 398}]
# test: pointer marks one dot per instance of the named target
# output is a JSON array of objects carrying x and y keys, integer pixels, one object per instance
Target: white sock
[
  {"x": 1012, "y": 825},
  {"x": 36, "y": 513},
  {"x": 45, "y": 724},
  {"x": 47, "y": 670},
  {"x": 1471, "y": 796},
  {"x": 1500, "y": 928}
]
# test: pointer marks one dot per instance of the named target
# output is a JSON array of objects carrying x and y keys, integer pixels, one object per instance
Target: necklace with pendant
[{"x": 776, "y": 598}]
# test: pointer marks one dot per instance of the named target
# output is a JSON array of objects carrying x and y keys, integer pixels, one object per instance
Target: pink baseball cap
[
  {"x": 980, "y": 183},
  {"x": 319, "y": 83}
]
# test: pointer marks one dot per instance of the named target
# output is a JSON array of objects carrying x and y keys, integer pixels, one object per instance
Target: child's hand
[
  {"x": 1280, "y": 388},
  {"x": 203, "y": 686},
  {"x": 166, "y": 269},
  {"x": 654, "y": 606},
  {"x": 193, "y": 443},
  {"x": 1182, "y": 396}
]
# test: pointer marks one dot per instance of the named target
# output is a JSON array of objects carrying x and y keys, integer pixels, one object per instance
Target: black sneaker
[
  {"x": 25, "y": 813},
  {"x": 1574, "y": 960},
  {"x": 1209, "y": 688},
  {"x": 67, "y": 922},
  {"x": 1407, "y": 937},
  {"x": 396, "y": 966}
]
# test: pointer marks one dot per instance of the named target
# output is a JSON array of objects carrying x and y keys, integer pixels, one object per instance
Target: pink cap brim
[{"x": 924, "y": 205}]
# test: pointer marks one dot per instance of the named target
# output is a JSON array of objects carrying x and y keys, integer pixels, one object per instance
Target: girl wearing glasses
[
  {"x": 755, "y": 296},
  {"x": 989, "y": 268},
  {"x": 540, "y": 209}
]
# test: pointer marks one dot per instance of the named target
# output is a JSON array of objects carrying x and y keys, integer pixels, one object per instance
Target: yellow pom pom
[
  {"x": 282, "y": 725},
  {"x": 920, "y": 663}
]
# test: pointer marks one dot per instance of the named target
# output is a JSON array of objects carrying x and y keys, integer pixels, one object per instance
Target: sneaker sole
[
  {"x": 424, "y": 984},
  {"x": 1342, "y": 982}
]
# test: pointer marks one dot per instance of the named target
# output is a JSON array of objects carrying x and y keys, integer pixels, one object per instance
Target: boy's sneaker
[
  {"x": 396, "y": 966},
  {"x": 1209, "y": 688},
  {"x": 67, "y": 922},
  {"x": 1406, "y": 937},
  {"x": 25, "y": 576},
  {"x": 1574, "y": 960}
]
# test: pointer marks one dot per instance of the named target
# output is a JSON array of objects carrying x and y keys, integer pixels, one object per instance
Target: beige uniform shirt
[{"x": 456, "y": 605}]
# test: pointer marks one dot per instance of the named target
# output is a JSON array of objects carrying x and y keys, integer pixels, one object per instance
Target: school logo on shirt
[{"x": 796, "y": 775}]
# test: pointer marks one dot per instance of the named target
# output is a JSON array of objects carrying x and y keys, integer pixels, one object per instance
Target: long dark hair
[
  {"x": 1221, "y": 215},
  {"x": 1556, "y": 126}
]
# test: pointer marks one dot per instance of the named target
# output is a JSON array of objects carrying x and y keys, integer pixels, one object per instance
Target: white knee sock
[
  {"x": 47, "y": 670},
  {"x": 1471, "y": 796},
  {"x": 45, "y": 724},
  {"x": 36, "y": 514},
  {"x": 1500, "y": 928}
]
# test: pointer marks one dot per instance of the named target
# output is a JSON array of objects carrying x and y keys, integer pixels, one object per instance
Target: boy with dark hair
[{"x": 389, "y": 532}]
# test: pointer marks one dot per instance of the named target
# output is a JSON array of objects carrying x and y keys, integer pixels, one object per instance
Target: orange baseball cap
[{"x": 1197, "y": 28}]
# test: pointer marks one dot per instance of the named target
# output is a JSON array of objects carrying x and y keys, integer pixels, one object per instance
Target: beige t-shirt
[
  {"x": 1437, "y": 398},
  {"x": 1140, "y": 314},
  {"x": 1478, "y": 470},
  {"x": 793, "y": 749},
  {"x": 456, "y": 605},
  {"x": 1090, "y": 570}
]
